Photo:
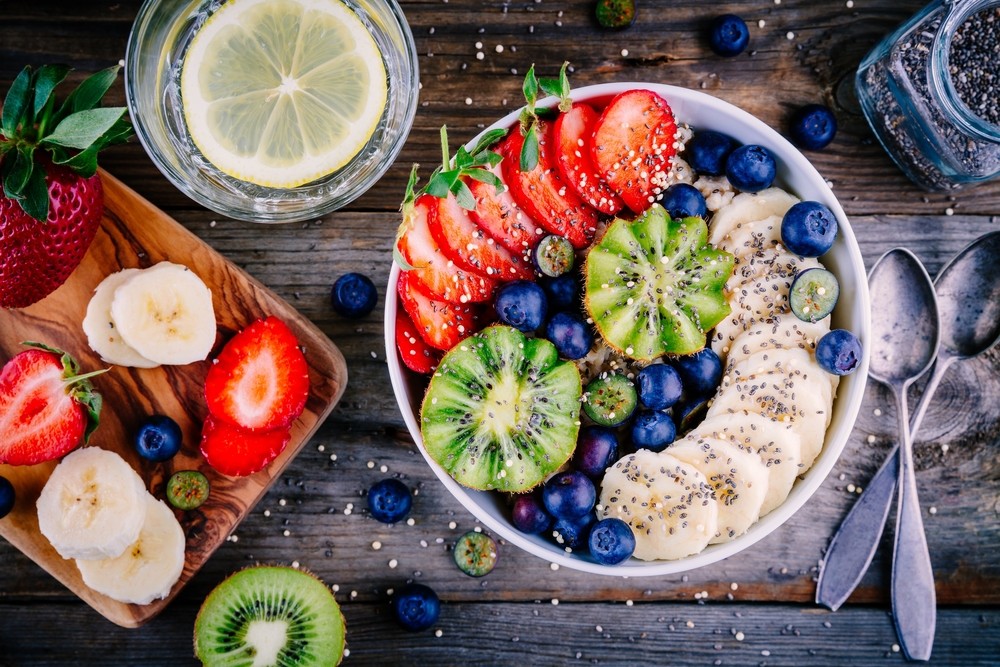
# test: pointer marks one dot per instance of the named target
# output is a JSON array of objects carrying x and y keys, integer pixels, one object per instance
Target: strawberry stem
[{"x": 74, "y": 379}]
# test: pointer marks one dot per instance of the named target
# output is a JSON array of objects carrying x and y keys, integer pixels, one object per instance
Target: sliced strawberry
[
  {"x": 500, "y": 217},
  {"x": 440, "y": 276},
  {"x": 442, "y": 325},
  {"x": 260, "y": 381},
  {"x": 632, "y": 146},
  {"x": 418, "y": 356},
  {"x": 574, "y": 130},
  {"x": 462, "y": 241},
  {"x": 542, "y": 193},
  {"x": 236, "y": 451}
]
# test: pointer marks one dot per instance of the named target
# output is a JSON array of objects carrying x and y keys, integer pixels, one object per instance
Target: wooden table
[{"x": 755, "y": 608}]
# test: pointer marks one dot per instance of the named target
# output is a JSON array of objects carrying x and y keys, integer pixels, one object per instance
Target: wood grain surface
[{"x": 507, "y": 617}]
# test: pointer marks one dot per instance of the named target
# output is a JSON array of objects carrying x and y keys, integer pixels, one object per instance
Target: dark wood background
[{"x": 509, "y": 617}]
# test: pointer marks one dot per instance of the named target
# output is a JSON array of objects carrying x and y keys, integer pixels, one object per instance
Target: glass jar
[{"x": 927, "y": 93}]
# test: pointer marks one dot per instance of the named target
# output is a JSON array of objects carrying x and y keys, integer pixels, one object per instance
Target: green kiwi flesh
[
  {"x": 501, "y": 411},
  {"x": 269, "y": 616}
]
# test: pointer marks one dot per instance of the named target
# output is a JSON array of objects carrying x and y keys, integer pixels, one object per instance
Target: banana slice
[
  {"x": 670, "y": 506},
  {"x": 748, "y": 238},
  {"x": 149, "y": 567},
  {"x": 789, "y": 361},
  {"x": 165, "y": 313},
  {"x": 759, "y": 302},
  {"x": 738, "y": 478},
  {"x": 765, "y": 263},
  {"x": 102, "y": 334},
  {"x": 784, "y": 331},
  {"x": 777, "y": 445},
  {"x": 92, "y": 506},
  {"x": 749, "y": 207}
]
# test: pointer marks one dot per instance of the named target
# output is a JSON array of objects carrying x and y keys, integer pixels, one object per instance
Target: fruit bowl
[{"x": 796, "y": 174}]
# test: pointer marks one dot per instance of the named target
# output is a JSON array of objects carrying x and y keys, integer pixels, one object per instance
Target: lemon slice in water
[{"x": 282, "y": 92}]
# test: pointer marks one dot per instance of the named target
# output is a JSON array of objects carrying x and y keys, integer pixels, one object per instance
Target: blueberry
[
  {"x": 569, "y": 495},
  {"x": 389, "y": 500},
  {"x": 353, "y": 295},
  {"x": 158, "y": 438},
  {"x": 751, "y": 168},
  {"x": 809, "y": 229},
  {"x": 563, "y": 292},
  {"x": 416, "y": 606},
  {"x": 839, "y": 352},
  {"x": 728, "y": 35},
  {"x": 611, "y": 541},
  {"x": 684, "y": 201},
  {"x": 700, "y": 372},
  {"x": 653, "y": 430},
  {"x": 813, "y": 127},
  {"x": 574, "y": 532},
  {"x": 659, "y": 386},
  {"x": 6, "y": 497},
  {"x": 707, "y": 151},
  {"x": 690, "y": 413},
  {"x": 529, "y": 515},
  {"x": 570, "y": 334},
  {"x": 522, "y": 304},
  {"x": 596, "y": 449}
]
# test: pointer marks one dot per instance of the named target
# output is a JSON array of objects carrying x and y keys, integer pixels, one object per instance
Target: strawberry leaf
[
  {"x": 83, "y": 163},
  {"x": 36, "y": 195},
  {"x": 529, "y": 151},
  {"x": 530, "y": 88},
  {"x": 83, "y": 128},
  {"x": 46, "y": 79},
  {"x": 488, "y": 140},
  {"x": 410, "y": 196},
  {"x": 16, "y": 102},
  {"x": 89, "y": 93},
  {"x": 489, "y": 178},
  {"x": 16, "y": 179},
  {"x": 463, "y": 195}
]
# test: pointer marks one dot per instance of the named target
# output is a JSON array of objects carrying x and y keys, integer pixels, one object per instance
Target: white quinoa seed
[
  {"x": 438, "y": 632},
  {"x": 452, "y": 525},
  {"x": 553, "y": 566},
  {"x": 761, "y": 23},
  {"x": 393, "y": 563},
  {"x": 740, "y": 636},
  {"x": 376, "y": 545},
  {"x": 555, "y": 602},
  {"x": 411, "y": 521},
  {"x": 628, "y": 603},
  {"x": 282, "y": 502},
  {"x": 624, "y": 53},
  {"x": 932, "y": 510},
  {"x": 789, "y": 35},
  {"x": 286, "y": 532},
  {"x": 295, "y": 564},
  {"x": 371, "y": 464}
]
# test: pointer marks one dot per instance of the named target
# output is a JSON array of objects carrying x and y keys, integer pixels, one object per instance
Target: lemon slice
[{"x": 282, "y": 92}]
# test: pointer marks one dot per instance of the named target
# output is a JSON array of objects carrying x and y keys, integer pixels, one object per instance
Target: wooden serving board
[{"x": 134, "y": 233}]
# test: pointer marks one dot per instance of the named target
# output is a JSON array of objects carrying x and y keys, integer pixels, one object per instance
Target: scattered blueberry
[
  {"x": 684, "y": 201},
  {"x": 707, "y": 151},
  {"x": 522, "y": 304},
  {"x": 529, "y": 515},
  {"x": 570, "y": 334},
  {"x": 596, "y": 449},
  {"x": 158, "y": 438},
  {"x": 416, "y": 606},
  {"x": 653, "y": 430},
  {"x": 6, "y": 497},
  {"x": 574, "y": 531},
  {"x": 809, "y": 229},
  {"x": 659, "y": 386},
  {"x": 700, "y": 372},
  {"x": 813, "y": 127},
  {"x": 611, "y": 541},
  {"x": 554, "y": 255},
  {"x": 751, "y": 168},
  {"x": 353, "y": 295},
  {"x": 728, "y": 35},
  {"x": 563, "y": 292},
  {"x": 389, "y": 500},
  {"x": 569, "y": 495},
  {"x": 839, "y": 352}
]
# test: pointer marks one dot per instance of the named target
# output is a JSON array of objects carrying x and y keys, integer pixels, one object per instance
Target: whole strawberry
[{"x": 52, "y": 201}]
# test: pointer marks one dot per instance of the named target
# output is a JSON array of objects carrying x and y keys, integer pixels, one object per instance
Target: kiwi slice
[
  {"x": 813, "y": 294},
  {"x": 610, "y": 399},
  {"x": 501, "y": 411},
  {"x": 269, "y": 616},
  {"x": 654, "y": 286}
]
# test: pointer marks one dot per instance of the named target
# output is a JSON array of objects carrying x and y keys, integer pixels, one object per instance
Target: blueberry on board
[
  {"x": 660, "y": 386},
  {"x": 751, "y": 168},
  {"x": 563, "y": 292},
  {"x": 728, "y": 35},
  {"x": 813, "y": 127},
  {"x": 389, "y": 500},
  {"x": 529, "y": 515},
  {"x": 684, "y": 201},
  {"x": 522, "y": 304},
  {"x": 353, "y": 295},
  {"x": 809, "y": 229},
  {"x": 653, "y": 430},
  {"x": 573, "y": 533},
  {"x": 415, "y": 606},
  {"x": 839, "y": 352},
  {"x": 570, "y": 334},
  {"x": 596, "y": 449},
  {"x": 611, "y": 541},
  {"x": 707, "y": 151},
  {"x": 6, "y": 497},
  {"x": 700, "y": 372},
  {"x": 569, "y": 495},
  {"x": 158, "y": 438}
]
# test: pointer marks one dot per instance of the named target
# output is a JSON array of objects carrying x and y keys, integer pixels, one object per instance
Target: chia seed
[{"x": 974, "y": 64}]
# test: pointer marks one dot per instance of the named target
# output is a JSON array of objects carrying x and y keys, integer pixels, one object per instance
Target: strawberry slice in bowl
[
  {"x": 439, "y": 323},
  {"x": 498, "y": 215},
  {"x": 574, "y": 131},
  {"x": 418, "y": 356}
]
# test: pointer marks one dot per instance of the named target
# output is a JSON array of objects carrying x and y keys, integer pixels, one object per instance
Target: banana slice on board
[{"x": 102, "y": 334}]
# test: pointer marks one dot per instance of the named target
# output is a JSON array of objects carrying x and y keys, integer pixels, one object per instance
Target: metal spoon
[{"x": 968, "y": 292}]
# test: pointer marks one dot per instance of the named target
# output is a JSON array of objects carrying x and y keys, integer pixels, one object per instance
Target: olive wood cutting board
[{"x": 134, "y": 233}]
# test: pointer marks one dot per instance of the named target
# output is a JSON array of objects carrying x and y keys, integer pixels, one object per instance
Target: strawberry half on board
[
  {"x": 47, "y": 408},
  {"x": 236, "y": 451},
  {"x": 52, "y": 201},
  {"x": 632, "y": 146}
]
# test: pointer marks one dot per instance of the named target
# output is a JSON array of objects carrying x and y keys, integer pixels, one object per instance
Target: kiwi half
[
  {"x": 501, "y": 411},
  {"x": 654, "y": 286},
  {"x": 269, "y": 616}
]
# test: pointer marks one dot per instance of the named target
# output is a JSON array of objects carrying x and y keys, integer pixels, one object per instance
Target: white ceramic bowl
[{"x": 796, "y": 174}]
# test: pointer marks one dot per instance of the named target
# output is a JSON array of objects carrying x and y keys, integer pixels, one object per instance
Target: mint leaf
[
  {"x": 89, "y": 93},
  {"x": 16, "y": 102},
  {"x": 35, "y": 201},
  {"x": 529, "y": 151},
  {"x": 46, "y": 79},
  {"x": 83, "y": 128}
]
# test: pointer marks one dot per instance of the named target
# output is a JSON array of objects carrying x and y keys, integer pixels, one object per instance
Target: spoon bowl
[{"x": 968, "y": 291}]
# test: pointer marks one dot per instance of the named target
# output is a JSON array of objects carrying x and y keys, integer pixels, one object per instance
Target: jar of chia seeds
[{"x": 931, "y": 93}]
